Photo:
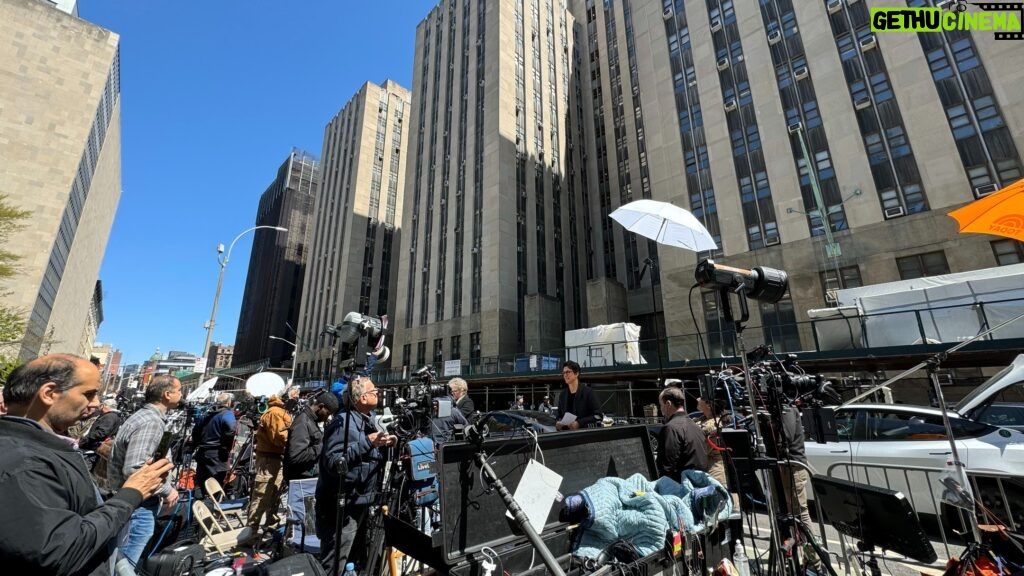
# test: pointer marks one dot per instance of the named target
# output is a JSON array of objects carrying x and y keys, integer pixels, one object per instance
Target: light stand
[
  {"x": 651, "y": 263},
  {"x": 759, "y": 450}
]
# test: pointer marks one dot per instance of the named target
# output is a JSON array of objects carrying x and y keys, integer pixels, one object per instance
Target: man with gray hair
[
  {"x": 105, "y": 426},
  {"x": 135, "y": 444},
  {"x": 460, "y": 392},
  {"x": 213, "y": 437}
]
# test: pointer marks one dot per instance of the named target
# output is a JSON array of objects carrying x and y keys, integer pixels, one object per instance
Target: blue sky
[{"x": 214, "y": 94}]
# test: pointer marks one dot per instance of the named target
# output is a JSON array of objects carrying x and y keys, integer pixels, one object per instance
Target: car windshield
[
  {"x": 983, "y": 389},
  {"x": 540, "y": 417}
]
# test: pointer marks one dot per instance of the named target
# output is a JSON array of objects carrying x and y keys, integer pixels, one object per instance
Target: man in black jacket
[
  {"x": 578, "y": 399},
  {"x": 682, "y": 443},
  {"x": 213, "y": 437},
  {"x": 460, "y": 392},
  {"x": 105, "y": 426},
  {"x": 305, "y": 438},
  {"x": 52, "y": 519}
]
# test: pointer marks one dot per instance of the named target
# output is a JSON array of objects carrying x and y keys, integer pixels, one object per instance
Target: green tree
[{"x": 12, "y": 320}]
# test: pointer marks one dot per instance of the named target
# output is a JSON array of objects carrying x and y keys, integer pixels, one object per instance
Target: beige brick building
[
  {"x": 60, "y": 159},
  {"x": 352, "y": 263},
  {"x": 802, "y": 141}
]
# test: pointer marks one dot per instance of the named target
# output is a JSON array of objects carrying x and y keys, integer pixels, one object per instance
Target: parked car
[
  {"x": 881, "y": 444},
  {"x": 509, "y": 422}
]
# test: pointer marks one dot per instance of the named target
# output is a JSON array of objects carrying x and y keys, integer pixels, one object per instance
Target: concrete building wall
[
  {"x": 355, "y": 240},
  {"x": 57, "y": 69}
]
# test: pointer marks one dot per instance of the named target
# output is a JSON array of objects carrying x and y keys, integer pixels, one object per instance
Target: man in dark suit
[
  {"x": 682, "y": 443},
  {"x": 460, "y": 392}
]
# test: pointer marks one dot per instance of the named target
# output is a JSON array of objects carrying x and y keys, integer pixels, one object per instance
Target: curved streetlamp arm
[{"x": 220, "y": 282}]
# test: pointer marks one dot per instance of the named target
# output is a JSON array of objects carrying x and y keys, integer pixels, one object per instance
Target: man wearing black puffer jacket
[
  {"x": 52, "y": 519},
  {"x": 305, "y": 438}
]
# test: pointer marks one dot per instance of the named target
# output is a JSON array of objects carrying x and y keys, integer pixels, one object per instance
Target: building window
[
  {"x": 1008, "y": 252},
  {"x": 847, "y": 277},
  {"x": 721, "y": 334},
  {"x": 780, "y": 327},
  {"x": 474, "y": 345},
  {"x": 456, "y": 348},
  {"x": 421, "y": 353},
  {"x": 920, "y": 265},
  {"x": 438, "y": 349},
  {"x": 406, "y": 354}
]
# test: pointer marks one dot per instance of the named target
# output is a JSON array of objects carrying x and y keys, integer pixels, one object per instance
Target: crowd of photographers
[{"x": 60, "y": 514}]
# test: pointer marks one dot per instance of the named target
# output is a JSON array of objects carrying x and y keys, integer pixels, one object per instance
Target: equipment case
[{"x": 473, "y": 518}]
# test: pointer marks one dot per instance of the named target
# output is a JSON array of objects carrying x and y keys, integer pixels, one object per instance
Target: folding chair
[
  {"x": 301, "y": 495},
  {"x": 236, "y": 508},
  {"x": 215, "y": 536}
]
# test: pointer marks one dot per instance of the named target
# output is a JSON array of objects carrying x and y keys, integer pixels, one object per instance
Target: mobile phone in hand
[{"x": 163, "y": 447}]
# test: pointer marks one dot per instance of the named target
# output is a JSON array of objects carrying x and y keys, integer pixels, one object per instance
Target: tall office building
[
  {"x": 496, "y": 228},
  {"x": 801, "y": 140},
  {"x": 352, "y": 262},
  {"x": 807, "y": 143},
  {"x": 61, "y": 151},
  {"x": 273, "y": 285}
]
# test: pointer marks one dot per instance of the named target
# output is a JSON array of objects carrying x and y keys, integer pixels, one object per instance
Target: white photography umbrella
[{"x": 665, "y": 224}]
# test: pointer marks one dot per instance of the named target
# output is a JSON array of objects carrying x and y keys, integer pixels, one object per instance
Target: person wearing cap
[
  {"x": 545, "y": 405},
  {"x": 106, "y": 426}
]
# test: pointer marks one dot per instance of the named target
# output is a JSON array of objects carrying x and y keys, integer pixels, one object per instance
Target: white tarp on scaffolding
[
  {"x": 953, "y": 307},
  {"x": 605, "y": 345}
]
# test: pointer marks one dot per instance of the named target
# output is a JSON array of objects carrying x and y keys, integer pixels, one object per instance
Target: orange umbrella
[{"x": 1001, "y": 213}]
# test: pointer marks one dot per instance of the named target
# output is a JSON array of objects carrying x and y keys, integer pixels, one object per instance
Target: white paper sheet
[
  {"x": 537, "y": 492},
  {"x": 568, "y": 418}
]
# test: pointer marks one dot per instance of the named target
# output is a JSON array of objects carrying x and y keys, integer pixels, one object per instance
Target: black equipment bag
[
  {"x": 172, "y": 529},
  {"x": 299, "y": 564},
  {"x": 184, "y": 558}
]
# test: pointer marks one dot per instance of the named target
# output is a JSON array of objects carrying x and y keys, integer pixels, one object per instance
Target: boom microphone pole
[{"x": 474, "y": 433}]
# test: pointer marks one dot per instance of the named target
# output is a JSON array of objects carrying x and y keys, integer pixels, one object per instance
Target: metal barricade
[{"x": 893, "y": 474}]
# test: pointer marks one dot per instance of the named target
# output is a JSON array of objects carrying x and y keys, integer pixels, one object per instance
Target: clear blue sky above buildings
[{"x": 213, "y": 96}]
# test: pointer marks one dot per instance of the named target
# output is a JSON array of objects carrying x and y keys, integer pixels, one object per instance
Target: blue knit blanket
[{"x": 641, "y": 512}]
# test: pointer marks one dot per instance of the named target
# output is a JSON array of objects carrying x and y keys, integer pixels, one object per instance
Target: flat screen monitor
[{"x": 875, "y": 516}]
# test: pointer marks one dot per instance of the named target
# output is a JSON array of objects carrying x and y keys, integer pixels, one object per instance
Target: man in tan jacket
[{"x": 271, "y": 441}]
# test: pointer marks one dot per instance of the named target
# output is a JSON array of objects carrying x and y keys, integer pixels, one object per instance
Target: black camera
[{"x": 416, "y": 402}]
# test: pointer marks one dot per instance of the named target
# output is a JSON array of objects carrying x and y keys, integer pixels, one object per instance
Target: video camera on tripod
[{"x": 416, "y": 403}]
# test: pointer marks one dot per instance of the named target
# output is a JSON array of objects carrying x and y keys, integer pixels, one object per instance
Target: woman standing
[
  {"x": 716, "y": 417},
  {"x": 577, "y": 398}
]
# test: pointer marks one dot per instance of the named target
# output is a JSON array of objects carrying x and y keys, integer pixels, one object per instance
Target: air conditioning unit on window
[
  {"x": 862, "y": 103},
  {"x": 774, "y": 37},
  {"x": 723, "y": 63},
  {"x": 772, "y": 240},
  {"x": 716, "y": 25},
  {"x": 985, "y": 190},
  {"x": 730, "y": 105},
  {"x": 667, "y": 14},
  {"x": 800, "y": 73},
  {"x": 894, "y": 212},
  {"x": 834, "y": 6},
  {"x": 795, "y": 127},
  {"x": 692, "y": 83},
  {"x": 868, "y": 43}
]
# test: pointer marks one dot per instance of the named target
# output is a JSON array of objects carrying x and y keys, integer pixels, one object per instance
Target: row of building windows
[{"x": 454, "y": 350}]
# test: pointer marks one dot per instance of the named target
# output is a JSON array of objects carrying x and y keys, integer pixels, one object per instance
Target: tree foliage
[{"x": 12, "y": 320}]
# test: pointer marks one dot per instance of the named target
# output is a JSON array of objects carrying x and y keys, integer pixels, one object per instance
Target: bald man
[{"x": 52, "y": 519}]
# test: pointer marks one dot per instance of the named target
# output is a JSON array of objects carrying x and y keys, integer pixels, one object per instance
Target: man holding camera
[{"x": 350, "y": 468}]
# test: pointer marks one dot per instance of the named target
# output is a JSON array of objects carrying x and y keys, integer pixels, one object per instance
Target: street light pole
[
  {"x": 220, "y": 282},
  {"x": 291, "y": 379}
]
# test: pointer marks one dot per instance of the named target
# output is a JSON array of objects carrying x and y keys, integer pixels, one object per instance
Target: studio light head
[
  {"x": 356, "y": 325},
  {"x": 761, "y": 283}
]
